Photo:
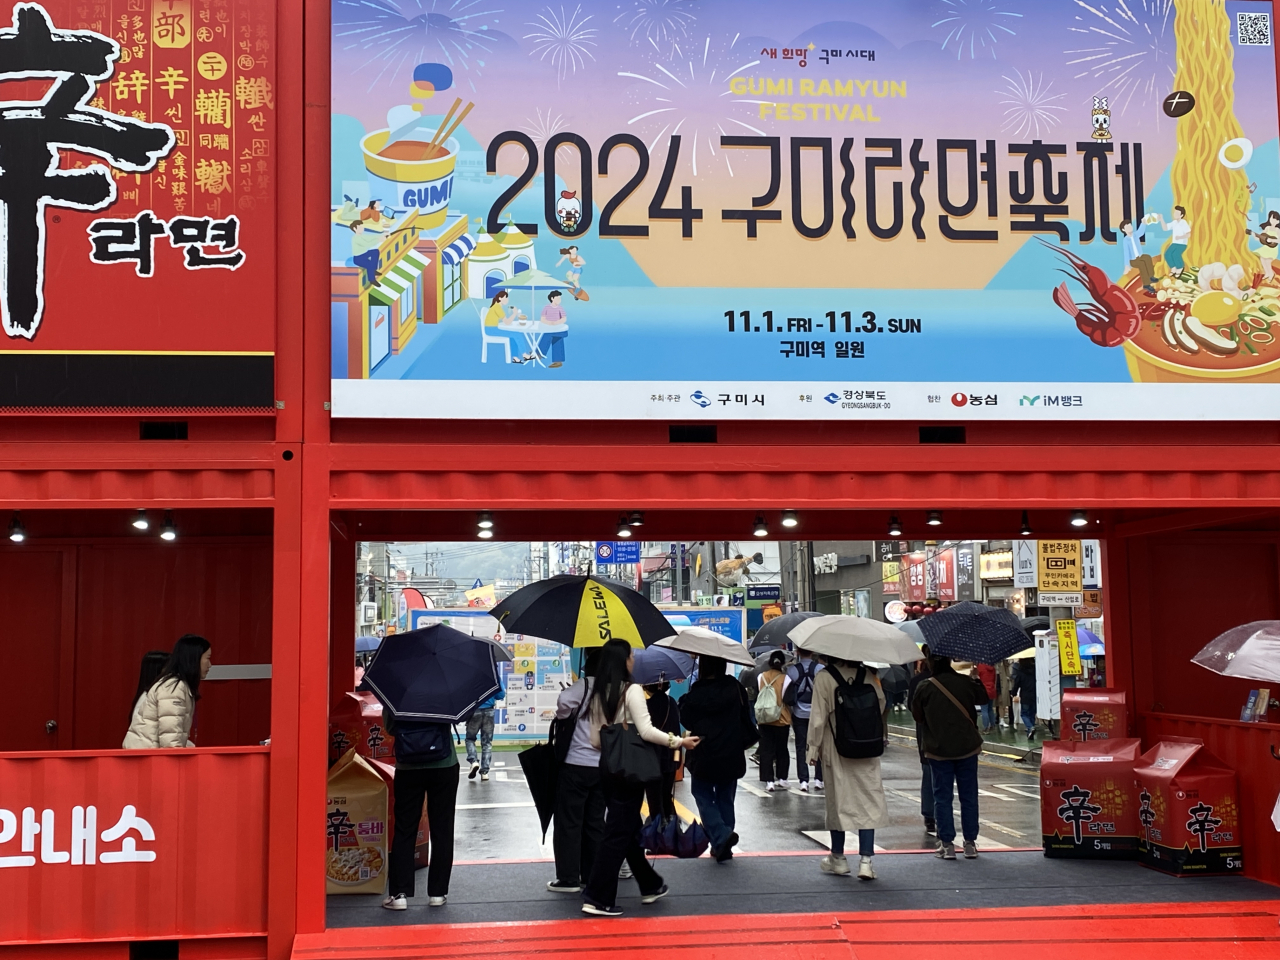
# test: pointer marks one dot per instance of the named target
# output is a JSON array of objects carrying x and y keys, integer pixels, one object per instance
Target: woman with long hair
[
  {"x": 162, "y": 717},
  {"x": 501, "y": 312},
  {"x": 774, "y": 758},
  {"x": 616, "y": 699},
  {"x": 153, "y": 662},
  {"x": 854, "y": 791}
]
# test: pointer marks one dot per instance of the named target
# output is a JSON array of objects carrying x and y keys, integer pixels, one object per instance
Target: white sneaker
[
  {"x": 804, "y": 786},
  {"x": 484, "y": 776},
  {"x": 780, "y": 784},
  {"x": 817, "y": 784},
  {"x": 475, "y": 768},
  {"x": 865, "y": 870},
  {"x": 835, "y": 865},
  {"x": 397, "y": 902},
  {"x": 770, "y": 787},
  {"x": 437, "y": 901}
]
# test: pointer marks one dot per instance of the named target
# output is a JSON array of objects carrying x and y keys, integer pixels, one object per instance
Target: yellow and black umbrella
[{"x": 582, "y": 612}]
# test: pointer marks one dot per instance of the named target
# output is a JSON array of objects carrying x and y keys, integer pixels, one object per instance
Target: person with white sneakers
[
  {"x": 799, "y": 697},
  {"x": 854, "y": 791},
  {"x": 773, "y": 717}
]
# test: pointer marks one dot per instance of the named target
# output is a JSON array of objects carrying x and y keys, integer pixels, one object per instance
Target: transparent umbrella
[{"x": 1250, "y": 651}]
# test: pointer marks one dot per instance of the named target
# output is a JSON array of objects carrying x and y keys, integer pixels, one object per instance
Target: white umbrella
[
  {"x": 855, "y": 638},
  {"x": 1250, "y": 651},
  {"x": 707, "y": 643}
]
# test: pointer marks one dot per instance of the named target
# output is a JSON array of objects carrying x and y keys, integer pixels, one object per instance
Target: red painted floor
[{"x": 1247, "y": 930}]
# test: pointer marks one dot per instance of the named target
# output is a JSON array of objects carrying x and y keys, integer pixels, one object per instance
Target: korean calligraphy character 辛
[
  {"x": 195, "y": 233},
  {"x": 115, "y": 241},
  {"x": 128, "y": 852}
]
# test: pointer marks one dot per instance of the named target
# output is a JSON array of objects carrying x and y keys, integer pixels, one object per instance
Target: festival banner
[
  {"x": 824, "y": 209},
  {"x": 137, "y": 179}
]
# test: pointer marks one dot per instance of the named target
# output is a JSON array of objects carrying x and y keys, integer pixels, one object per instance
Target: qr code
[{"x": 1254, "y": 29}]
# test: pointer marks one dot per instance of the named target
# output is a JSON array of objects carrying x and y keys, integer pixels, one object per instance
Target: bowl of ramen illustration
[{"x": 412, "y": 173}]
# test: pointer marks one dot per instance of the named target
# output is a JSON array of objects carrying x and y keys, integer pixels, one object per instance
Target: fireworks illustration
[
  {"x": 1030, "y": 107},
  {"x": 975, "y": 26},
  {"x": 692, "y": 98},
  {"x": 543, "y": 126},
  {"x": 562, "y": 40},
  {"x": 1130, "y": 47},
  {"x": 660, "y": 23},
  {"x": 399, "y": 34}
]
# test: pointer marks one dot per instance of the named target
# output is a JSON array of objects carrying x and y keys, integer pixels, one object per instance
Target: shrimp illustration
[{"x": 1112, "y": 318}]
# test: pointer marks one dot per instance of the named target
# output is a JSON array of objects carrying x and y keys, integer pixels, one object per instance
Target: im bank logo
[{"x": 1051, "y": 401}]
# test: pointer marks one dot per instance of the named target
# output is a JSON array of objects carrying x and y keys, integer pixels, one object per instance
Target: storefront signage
[
  {"x": 826, "y": 563},
  {"x": 1091, "y": 564},
  {"x": 793, "y": 211},
  {"x": 1090, "y": 606},
  {"x": 888, "y": 551},
  {"x": 913, "y": 578},
  {"x": 996, "y": 566},
  {"x": 618, "y": 551},
  {"x": 1024, "y": 563},
  {"x": 138, "y": 239},
  {"x": 1046, "y": 599},
  {"x": 1058, "y": 566},
  {"x": 946, "y": 567},
  {"x": 965, "y": 586},
  {"x": 764, "y": 592},
  {"x": 895, "y": 611},
  {"x": 1068, "y": 648},
  {"x": 890, "y": 577}
]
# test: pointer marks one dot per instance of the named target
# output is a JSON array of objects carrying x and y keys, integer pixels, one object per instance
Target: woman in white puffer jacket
[{"x": 162, "y": 717}]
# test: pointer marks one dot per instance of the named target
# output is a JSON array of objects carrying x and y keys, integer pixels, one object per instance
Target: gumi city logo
[
  {"x": 84, "y": 838},
  {"x": 32, "y": 132}
]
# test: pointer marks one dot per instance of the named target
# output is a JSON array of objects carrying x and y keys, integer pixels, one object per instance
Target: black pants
[
  {"x": 801, "y": 727},
  {"x": 661, "y": 794},
  {"x": 579, "y": 823},
  {"x": 621, "y": 842},
  {"x": 774, "y": 759},
  {"x": 440, "y": 787}
]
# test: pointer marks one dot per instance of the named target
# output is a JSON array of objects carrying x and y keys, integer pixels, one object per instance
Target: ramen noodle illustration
[
  {"x": 354, "y": 864},
  {"x": 411, "y": 173}
]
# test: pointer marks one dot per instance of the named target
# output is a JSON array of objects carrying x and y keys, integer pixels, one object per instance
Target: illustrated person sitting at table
[
  {"x": 498, "y": 313},
  {"x": 552, "y": 343}
]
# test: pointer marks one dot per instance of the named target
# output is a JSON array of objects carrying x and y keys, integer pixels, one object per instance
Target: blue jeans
[
  {"x": 964, "y": 774},
  {"x": 1028, "y": 717},
  {"x": 866, "y": 843},
  {"x": 481, "y": 722},
  {"x": 715, "y": 806},
  {"x": 552, "y": 345},
  {"x": 989, "y": 718}
]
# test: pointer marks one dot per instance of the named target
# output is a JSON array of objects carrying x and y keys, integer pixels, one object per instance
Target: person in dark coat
[
  {"x": 945, "y": 708},
  {"x": 926, "y": 777},
  {"x": 660, "y": 794},
  {"x": 716, "y": 709},
  {"x": 1022, "y": 684}
]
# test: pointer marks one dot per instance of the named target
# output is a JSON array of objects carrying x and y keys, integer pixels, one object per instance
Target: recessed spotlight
[
  {"x": 484, "y": 521},
  {"x": 935, "y": 518},
  {"x": 636, "y": 519},
  {"x": 17, "y": 532},
  {"x": 485, "y": 533},
  {"x": 1079, "y": 519},
  {"x": 624, "y": 527},
  {"x": 168, "y": 531},
  {"x": 140, "y": 521},
  {"x": 761, "y": 530},
  {"x": 1026, "y": 525},
  {"x": 895, "y": 528},
  {"x": 789, "y": 518}
]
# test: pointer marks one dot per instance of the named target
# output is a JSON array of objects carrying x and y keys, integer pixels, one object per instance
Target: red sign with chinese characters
[
  {"x": 946, "y": 565},
  {"x": 913, "y": 578},
  {"x": 140, "y": 269}
]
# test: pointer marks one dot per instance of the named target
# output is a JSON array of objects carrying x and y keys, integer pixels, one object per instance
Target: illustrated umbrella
[
  {"x": 1250, "y": 651},
  {"x": 435, "y": 674},
  {"x": 973, "y": 631},
  {"x": 855, "y": 638},
  {"x": 582, "y": 612},
  {"x": 656, "y": 664},
  {"x": 774, "y": 633},
  {"x": 707, "y": 643},
  {"x": 1092, "y": 650}
]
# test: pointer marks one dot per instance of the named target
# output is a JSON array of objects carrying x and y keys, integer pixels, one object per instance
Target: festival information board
[
  {"x": 824, "y": 209},
  {"x": 138, "y": 231}
]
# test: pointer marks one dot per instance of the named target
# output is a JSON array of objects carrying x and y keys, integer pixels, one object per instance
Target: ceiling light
[
  {"x": 624, "y": 527},
  {"x": 140, "y": 522},
  {"x": 760, "y": 529},
  {"x": 17, "y": 532},
  {"x": 789, "y": 518},
  {"x": 485, "y": 533},
  {"x": 484, "y": 521},
  {"x": 895, "y": 528},
  {"x": 1079, "y": 519},
  {"x": 935, "y": 518},
  {"x": 1026, "y": 525},
  {"x": 636, "y": 519},
  {"x": 168, "y": 531}
]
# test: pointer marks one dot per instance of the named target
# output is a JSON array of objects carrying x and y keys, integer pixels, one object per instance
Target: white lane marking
[
  {"x": 824, "y": 837},
  {"x": 752, "y": 789},
  {"x": 986, "y": 843},
  {"x": 904, "y": 795},
  {"x": 499, "y": 774},
  {"x": 997, "y": 796},
  {"x": 492, "y": 806},
  {"x": 1016, "y": 788},
  {"x": 1003, "y": 829}
]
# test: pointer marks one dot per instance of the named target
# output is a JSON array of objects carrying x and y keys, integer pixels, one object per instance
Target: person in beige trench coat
[{"x": 854, "y": 791}]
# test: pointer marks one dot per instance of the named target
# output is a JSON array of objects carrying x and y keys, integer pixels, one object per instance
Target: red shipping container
[
  {"x": 1088, "y": 800},
  {"x": 1094, "y": 713},
  {"x": 421, "y": 844},
  {"x": 357, "y": 722},
  {"x": 1188, "y": 809}
]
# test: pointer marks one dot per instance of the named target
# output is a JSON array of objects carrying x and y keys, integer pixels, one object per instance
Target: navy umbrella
[
  {"x": 973, "y": 631},
  {"x": 656, "y": 664},
  {"x": 774, "y": 633},
  {"x": 436, "y": 674}
]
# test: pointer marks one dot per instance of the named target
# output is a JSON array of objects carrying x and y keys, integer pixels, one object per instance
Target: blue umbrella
[
  {"x": 656, "y": 664},
  {"x": 973, "y": 631},
  {"x": 1092, "y": 650},
  {"x": 1086, "y": 636},
  {"x": 435, "y": 674},
  {"x": 366, "y": 644}
]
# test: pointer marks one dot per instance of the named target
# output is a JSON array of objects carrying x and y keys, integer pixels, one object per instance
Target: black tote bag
[{"x": 625, "y": 754}]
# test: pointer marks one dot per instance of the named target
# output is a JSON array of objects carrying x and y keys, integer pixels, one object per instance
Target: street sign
[
  {"x": 1047, "y": 599},
  {"x": 478, "y": 584},
  {"x": 1091, "y": 564},
  {"x": 1058, "y": 566},
  {"x": 618, "y": 551},
  {"x": 1068, "y": 648},
  {"x": 965, "y": 589},
  {"x": 768, "y": 592}
]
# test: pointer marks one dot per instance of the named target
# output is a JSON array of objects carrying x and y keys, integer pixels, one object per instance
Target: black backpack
[
  {"x": 421, "y": 742},
  {"x": 800, "y": 691},
  {"x": 859, "y": 724}
]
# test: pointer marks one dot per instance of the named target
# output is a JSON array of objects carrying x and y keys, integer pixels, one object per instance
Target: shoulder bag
[{"x": 626, "y": 755}]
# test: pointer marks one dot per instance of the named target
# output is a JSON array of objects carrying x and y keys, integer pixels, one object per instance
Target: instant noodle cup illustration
[{"x": 411, "y": 173}]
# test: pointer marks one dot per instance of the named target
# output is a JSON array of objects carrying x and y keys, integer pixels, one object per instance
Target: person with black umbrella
[{"x": 580, "y": 803}]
